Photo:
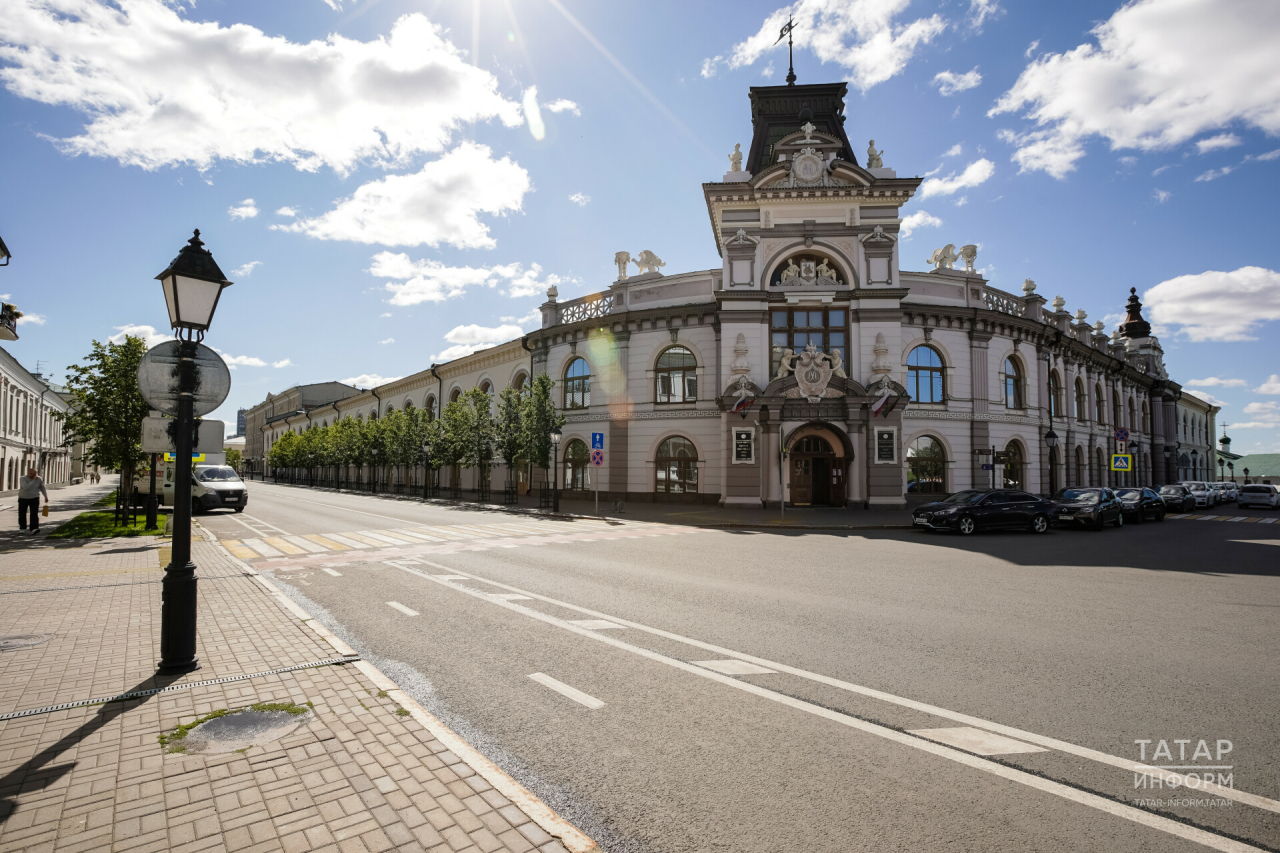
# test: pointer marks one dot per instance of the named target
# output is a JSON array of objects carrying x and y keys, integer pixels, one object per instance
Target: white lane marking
[
  {"x": 395, "y": 605},
  {"x": 247, "y": 525},
  {"x": 734, "y": 667},
  {"x": 331, "y": 572},
  {"x": 1256, "y": 541},
  {"x": 510, "y": 596},
  {"x": 345, "y": 540},
  {"x": 262, "y": 547},
  {"x": 306, "y": 544},
  {"x": 1267, "y": 521},
  {"x": 565, "y": 690},
  {"x": 263, "y": 523},
  {"x": 448, "y": 577},
  {"x": 594, "y": 624},
  {"x": 1131, "y": 813},
  {"x": 416, "y": 535},
  {"x": 1126, "y": 764},
  {"x": 976, "y": 740},
  {"x": 1238, "y": 518},
  {"x": 382, "y": 537}
]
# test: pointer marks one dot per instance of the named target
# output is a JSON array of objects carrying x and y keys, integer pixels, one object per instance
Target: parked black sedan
[
  {"x": 985, "y": 509},
  {"x": 1178, "y": 499},
  {"x": 1091, "y": 507},
  {"x": 1141, "y": 505}
]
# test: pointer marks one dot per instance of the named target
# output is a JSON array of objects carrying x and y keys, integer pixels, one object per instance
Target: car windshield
[
  {"x": 209, "y": 474},
  {"x": 1265, "y": 490},
  {"x": 968, "y": 497},
  {"x": 1196, "y": 487},
  {"x": 1129, "y": 493},
  {"x": 1079, "y": 495},
  {"x": 1171, "y": 490}
]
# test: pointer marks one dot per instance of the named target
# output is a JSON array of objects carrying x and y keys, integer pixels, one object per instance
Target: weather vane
[{"x": 791, "y": 65}]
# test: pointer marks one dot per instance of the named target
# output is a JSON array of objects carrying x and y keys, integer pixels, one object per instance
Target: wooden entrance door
[{"x": 801, "y": 480}]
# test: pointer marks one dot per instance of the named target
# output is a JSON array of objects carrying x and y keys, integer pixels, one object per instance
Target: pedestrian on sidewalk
[{"x": 30, "y": 488}]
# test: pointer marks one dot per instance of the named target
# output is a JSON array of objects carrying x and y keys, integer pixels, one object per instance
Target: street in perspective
[{"x": 804, "y": 530}]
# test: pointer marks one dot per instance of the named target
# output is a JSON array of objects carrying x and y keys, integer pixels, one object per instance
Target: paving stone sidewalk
[{"x": 368, "y": 769}]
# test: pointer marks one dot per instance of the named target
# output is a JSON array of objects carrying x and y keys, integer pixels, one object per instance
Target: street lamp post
[
  {"x": 555, "y": 469},
  {"x": 1246, "y": 476},
  {"x": 1195, "y": 463},
  {"x": 1051, "y": 442},
  {"x": 192, "y": 284},
  {"x": 1231, "y": 466}
]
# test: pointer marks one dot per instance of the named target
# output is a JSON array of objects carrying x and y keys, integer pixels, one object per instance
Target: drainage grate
[{"x": 22, "y": 641}]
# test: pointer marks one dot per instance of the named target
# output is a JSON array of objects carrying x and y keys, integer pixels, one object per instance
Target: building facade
[
  {"x": 30, "y": 433},
  {"x": 809, "y": 366}
]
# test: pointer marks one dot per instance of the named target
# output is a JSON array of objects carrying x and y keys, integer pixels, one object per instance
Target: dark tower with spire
[
  {"x": 1134, "y": 326},
  {"x": 777, "y": 111}
]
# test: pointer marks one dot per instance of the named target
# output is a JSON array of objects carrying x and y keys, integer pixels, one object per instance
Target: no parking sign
[{"x": 597, "y": 458}]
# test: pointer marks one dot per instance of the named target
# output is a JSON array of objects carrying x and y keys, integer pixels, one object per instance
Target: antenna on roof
[{"x": 791, "y": 65}]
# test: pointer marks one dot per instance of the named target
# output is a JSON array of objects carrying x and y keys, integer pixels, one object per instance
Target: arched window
[
  {"x": 408, "y": 405},
  {"x": 454, "y": 395},
  {"x": 1054, "y": 485},
  {"x": 577, "y": 466},
  {"x": 324, "y": 425},
  {"x": 1082, "y": 402},
  {"x": 1099, "y": 405},
  {"x": 1184, "y": 467},
  {"x": 1102, "y": 466},
  {"x": 486, "y": 387},
  {"x": 431, "y": 408},
  {"x": 1055, "y": 395},
  {"x": 1015, "y": 466},
  {"x": 677, "y": 467},
  {"x": 1115, "y": 408},
  {"x": 390, "y": 409},
  {"x": 1082, "y": 474},
  {"x": 675, "y": 379},
  {"x": 577, "y": 385},
  {"x": 519, "y": 381},
  {"x": 926, "y": 467},
  {"x": 373, "y": 416},
  {"x": 1013, "y": 398},
  {"x": 1133, "y": 423},
  {"x": 1146, "y": 417},
  {"x": 924, "y": 375}
]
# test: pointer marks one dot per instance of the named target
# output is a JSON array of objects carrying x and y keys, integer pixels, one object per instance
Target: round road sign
[
  {"x": 1122, "y": 434},
  {"x": 158, "y": 379},
  {"x": 597, "y": 457}
]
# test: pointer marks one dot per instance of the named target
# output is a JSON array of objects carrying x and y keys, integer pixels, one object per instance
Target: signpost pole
[
  {"x": 151, "y": 500},
  {"x": 178, "y": 589}
]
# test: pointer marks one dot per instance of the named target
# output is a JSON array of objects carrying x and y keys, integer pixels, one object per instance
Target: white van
[{"x": 212, "y": 487}]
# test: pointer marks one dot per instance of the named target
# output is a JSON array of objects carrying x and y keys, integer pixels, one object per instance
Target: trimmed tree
[
  {"x": 509, "y": 430},
  {"x": 539, "y": 417}
]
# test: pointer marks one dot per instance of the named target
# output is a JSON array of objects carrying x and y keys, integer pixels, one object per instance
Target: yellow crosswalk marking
[
  {"x": 282, "y": 545},
  {"x": 328, "y": 543},
  {"x": 239, "y": 550},
  {"x": 368, "y": 540}
]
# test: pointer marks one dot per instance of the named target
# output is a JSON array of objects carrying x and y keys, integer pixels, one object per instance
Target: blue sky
[{"x": 392, "y": 181}]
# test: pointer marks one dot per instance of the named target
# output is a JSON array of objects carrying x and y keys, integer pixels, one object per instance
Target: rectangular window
[{"x": 795, "y": 329}]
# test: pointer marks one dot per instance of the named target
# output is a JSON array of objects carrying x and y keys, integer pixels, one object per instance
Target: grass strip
[{"x": 96, "y": 525}]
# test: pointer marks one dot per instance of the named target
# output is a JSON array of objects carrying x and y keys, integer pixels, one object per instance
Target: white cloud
[
  {"x": 962, "y": 201},
  {"x": 980, "y": 10},
  {"x": 1216, "y": 382},
  {"x": 160, "y": 90},
  {"x": 1031, "y": 48},
  {"x": 1208, "y": 398},
  {"x": 919, "y": 219},
  {"x": 709, "y": 66},
  {"x": 1271, "y": 386},
  {"x": 387, "y": 341},
  {"x": 1214, "y": 174},
  {"x": 1162, "y": 195},
  {"x": 954, "y": 151},
  {"x": 385, "y": 314},
  {"x": 148, "y": 334},
  {"x": 468, "y": 339},
  {"x": 862, "y": 36},
  {"x": 533, "y": 115},
  {"x": 439, "y": 204},
  {"x": 562, "y": 105},
  {"x": 533, "y": 317},
  {"x": 369, "y": 380},
  {"x": 1164, "y": 168},
  {"x": 580, "y": 199},
  {"x": 246, "y": 270},
  {"x": 1262, "y": 408},
  {"x": 1216, "y": 305},
  {"x": 949, "y": 82},
  {"x": 973, "y": 175},
  {"x": 1266, "y": 414},
  {"x": 1160, "y": 74},
  {"x": 284, "y": 362},
  {"x": 1218, "y": 143},
  {"x": 432, "y": 281},
  {"x": 234, "y": 361},
  {"x": 33, "y": 319},
  {"x": 290, "y": 212},
  {"x": 245, "y": 210},
  {"x": 1270, "y": 155}
]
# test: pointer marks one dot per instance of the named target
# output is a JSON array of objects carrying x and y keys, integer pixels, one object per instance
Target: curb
[
  {"x": 714, "y": 525},
  {"x": 573, "y": 839}
]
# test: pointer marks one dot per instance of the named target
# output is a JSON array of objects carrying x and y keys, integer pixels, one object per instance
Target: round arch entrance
[{"x": 818, "y": 465}]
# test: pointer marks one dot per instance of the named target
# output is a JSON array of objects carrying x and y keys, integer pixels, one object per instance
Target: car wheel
[
  {"x": 966, "y": 526},
  {"x": 1040, "y": 524},
  {"x": 1119, "y": 520}
]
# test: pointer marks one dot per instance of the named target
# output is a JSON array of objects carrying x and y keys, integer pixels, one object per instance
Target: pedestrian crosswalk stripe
[
  {"x": 421, "y": 537},
  {"x": 347, "y": 540},
  {"x": 360, "y": 538},
  {"x": 327, "y": 543},
  {"x": 281, "y": 545},
  {"x": 263, "y": 549},
  {"x": 378, "y": 536},
  {"x": 239, "y": 550},
  {"x": 306, "y": 544}
]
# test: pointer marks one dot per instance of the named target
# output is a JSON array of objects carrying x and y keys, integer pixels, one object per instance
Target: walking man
[{"x": 30, "y": 488}]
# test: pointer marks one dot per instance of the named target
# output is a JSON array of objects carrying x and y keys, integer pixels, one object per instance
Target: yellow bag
[{"x": 44, "y": 510}]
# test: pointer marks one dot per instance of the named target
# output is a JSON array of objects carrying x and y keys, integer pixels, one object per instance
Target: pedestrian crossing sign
[{"x": 1121, "y": 462}]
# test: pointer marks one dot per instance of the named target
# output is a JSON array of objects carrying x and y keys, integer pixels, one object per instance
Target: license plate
[
  {"x": 1065, "y": 517},
  {"x": 922, "y": 521}
]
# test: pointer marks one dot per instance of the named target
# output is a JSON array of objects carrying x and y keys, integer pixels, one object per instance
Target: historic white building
[
  {"x": 808, "y": 365},
  {"x": 30, "y": 434}
]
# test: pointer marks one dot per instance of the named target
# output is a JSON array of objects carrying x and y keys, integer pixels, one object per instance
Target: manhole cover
[
  {"x": 242, "y": 730},
  {"x": 22, "y": 641}
]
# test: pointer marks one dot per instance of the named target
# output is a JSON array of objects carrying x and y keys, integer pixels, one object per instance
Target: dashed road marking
[
  {"x": 565, "y": 690},
  {"x": 977, "y": 741},
  {"x": 281, "y": 545},
  {"x": 306, "y": 544},
  {"x": 329, "y": 571},
  {"x": 395, "y": 605},
  {"x": 733, "y": 666},
  {"x": 327, "y": 543},
  {"x": 595, "y": 624},
  {"x": 263, "y": 549}
]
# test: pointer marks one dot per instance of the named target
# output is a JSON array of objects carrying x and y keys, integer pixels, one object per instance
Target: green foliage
[
  {"x": 509, "y": 426},
  {"x": 540, "y": 416},
  {"x": 234, "y": 458},
  {"x": 106, "y": 406},
  {"x": 286, "y": 452},
  {"x": 97, "y": 525}
]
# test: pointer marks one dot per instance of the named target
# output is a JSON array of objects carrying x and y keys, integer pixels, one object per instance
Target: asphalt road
[{"x": 1073, "y": 644}]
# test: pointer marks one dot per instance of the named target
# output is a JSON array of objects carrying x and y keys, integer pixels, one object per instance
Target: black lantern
[
  {"x": 192, "y": 284},
  {"x": 555, "y": 466},
  {"x": 1051, "y": 439}
]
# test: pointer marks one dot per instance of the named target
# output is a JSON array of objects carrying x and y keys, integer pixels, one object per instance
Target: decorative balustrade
[
  {"x": 587, "y": 308},
  {"x": 997, "y": 300}
]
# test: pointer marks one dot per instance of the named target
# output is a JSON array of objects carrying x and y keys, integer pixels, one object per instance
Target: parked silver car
[
  {"x": 1229, "y": 491},
  {"x": 1259, "y": 494},
  {"x": 1201, "y": 492}
]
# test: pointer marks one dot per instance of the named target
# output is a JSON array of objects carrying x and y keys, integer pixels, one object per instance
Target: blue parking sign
[{"x": 597, "y": 441}]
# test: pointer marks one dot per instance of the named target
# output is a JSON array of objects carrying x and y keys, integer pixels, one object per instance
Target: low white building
[
  {"x": 30, "y": 435},
  {"x": 808, "y": 365}
]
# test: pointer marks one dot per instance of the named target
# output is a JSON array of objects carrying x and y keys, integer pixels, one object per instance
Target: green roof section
[{"x": 1265, "y": 465}]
